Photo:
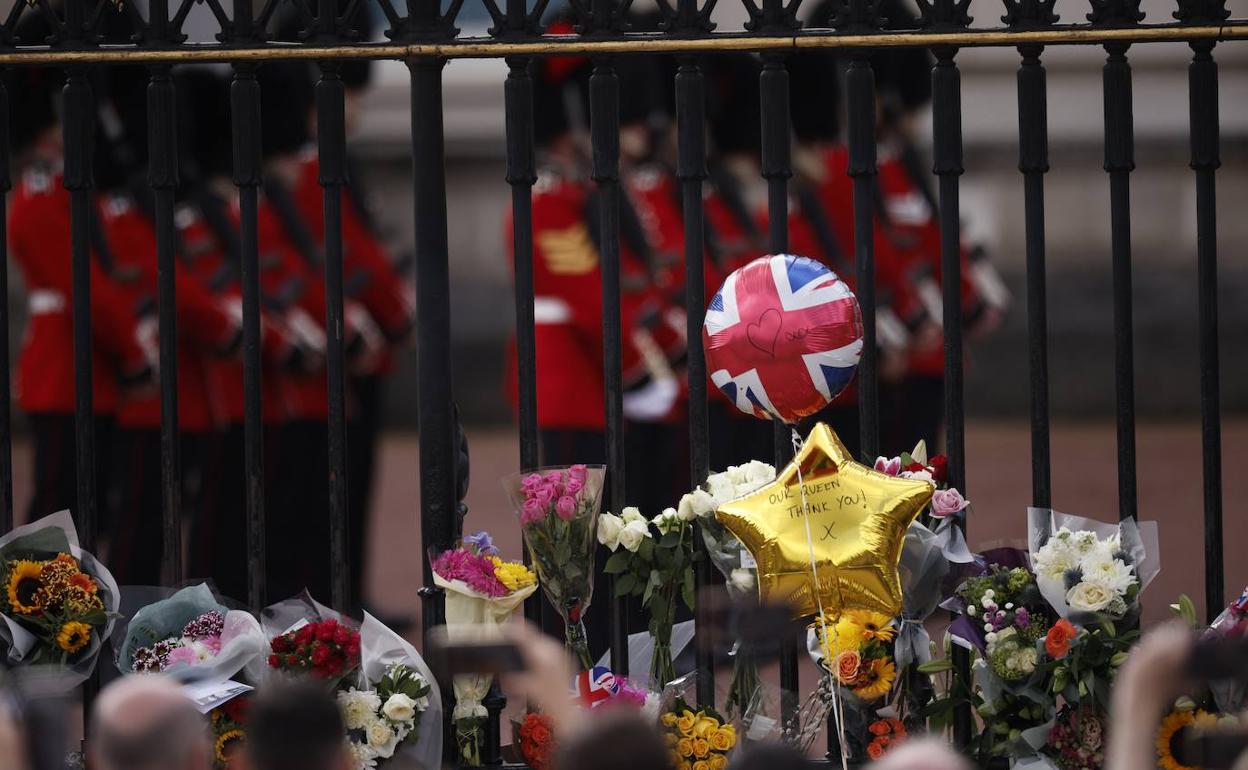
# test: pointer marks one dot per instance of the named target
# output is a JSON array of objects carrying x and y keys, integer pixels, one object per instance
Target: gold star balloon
[{"x": 858, "y": 519}]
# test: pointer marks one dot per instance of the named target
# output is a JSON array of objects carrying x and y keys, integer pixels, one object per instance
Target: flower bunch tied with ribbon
[
  {"x": 383, "y": 715},
  {"x": 483, "y": 591},
  {"x": 700, "y": 739},
  {"x": 653, "y": 559}
]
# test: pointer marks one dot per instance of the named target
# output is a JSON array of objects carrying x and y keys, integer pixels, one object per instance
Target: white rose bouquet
[{"x": 384, "y": 715}]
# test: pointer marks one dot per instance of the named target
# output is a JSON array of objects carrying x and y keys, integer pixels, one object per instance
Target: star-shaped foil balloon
[{"x": 858, "y": 521}]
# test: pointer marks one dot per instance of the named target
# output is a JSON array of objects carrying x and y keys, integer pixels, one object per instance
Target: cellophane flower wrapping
[
  {"x": 470, "y": 613},
  {"x": 382, "y": 654},
  {"x": 1230, "y": 695},
  {"x": 31, "y": 638},
  {"x": 533, "y": 736},
  {"x": 1063, "y": 548},
  {"x": 239, "y": 641},
  {"x": 558, "y": 509},
  {"x": 290, "y": 614}
]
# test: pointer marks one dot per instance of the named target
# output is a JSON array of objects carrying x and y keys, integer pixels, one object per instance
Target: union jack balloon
[{"x": 782, "y": 337}]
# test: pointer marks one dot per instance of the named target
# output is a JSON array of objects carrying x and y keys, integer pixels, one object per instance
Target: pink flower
[
  {"x": 531, "y": 482},
  {"x": 475, "y": 570},
  {"x": 578, "y": 473},
  {"x": 547, "y": 495},
  {"x": 213, "y": 644},
  {"x": 183, "y": 655},
  {"x": 532, "y": 511},
  {"x": 889, "y": 467},
  {"x": 946, "y": 502},
  {"x": 566, "y": 507},
  {"x": 573, "y": 487}
]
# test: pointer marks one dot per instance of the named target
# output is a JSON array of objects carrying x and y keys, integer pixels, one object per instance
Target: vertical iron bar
[
  {"x": 521, "y": 175},
  {"x": 1033, "y": 162},
  {"x": 433, "y": 308},
  {"x": 947, "y": 157},
  {"x": 1203, "y": 112},
  {"x": 79, "y": 139},
  {"x": 860, "y": 85},
  {"x": 162, "y": 174},
  {"x": 691, "y": 171},
  {"x": 1119, "y": 162},
  {"x": 773, "y": 84},
  {"x": 604, "y": 126},
  {"x": 6, "y": 428},
  {"x": 331, "y": 136},
  {"x": 245, "y": 127}
]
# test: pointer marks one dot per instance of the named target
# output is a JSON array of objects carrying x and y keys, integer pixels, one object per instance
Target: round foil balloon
[{"x": 782, "y": 337}]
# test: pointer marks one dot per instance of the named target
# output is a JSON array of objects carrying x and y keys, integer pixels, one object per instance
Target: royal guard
[{"x": 124, "y": 351}]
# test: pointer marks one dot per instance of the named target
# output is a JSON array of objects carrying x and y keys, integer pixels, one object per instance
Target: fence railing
[{"x": 423, "y": 34}]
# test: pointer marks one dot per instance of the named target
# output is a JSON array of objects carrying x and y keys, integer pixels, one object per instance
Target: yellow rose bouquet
[{"x": 699, "y": 740}]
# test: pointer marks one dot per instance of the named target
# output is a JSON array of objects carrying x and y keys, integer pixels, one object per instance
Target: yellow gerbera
[
  {"x": 73, "y": 636},
  {"x": 876, "y": 680},
  {"x": 24, "y": 588},
  {"x": 1172, "y": 733},
  {"x": 874, "y": 625},
  {"x": 226, "y": 742},
  {"x": 513, "y": 574},
  {"x": 842, "y": 636}
]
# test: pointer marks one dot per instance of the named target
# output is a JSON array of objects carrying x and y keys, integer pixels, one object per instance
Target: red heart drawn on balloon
[{"x": 763, "y": 333}]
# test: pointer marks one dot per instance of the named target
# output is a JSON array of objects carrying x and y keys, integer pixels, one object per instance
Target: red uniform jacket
[
  {"x": 204, "y": 324},
  {"x": 39, "y": 234}
]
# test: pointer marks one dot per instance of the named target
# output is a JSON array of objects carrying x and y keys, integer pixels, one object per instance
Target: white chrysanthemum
[
  {"x": 1084, "y": 541},
  {"x": 1109, "y": 573},
  {"x": 362, "y": 756},
  {"x": 1054, "y": 558},
  {"x": 358, "y": 707}
]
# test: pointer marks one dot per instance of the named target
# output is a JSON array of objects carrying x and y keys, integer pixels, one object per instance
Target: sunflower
[
  {"x": 227, "y": 743},
  {"x": 875, "y": 625},
  {"x": 1173, "y": 733},
  {"x": 25, "y": 595},
  {"x": 73, "y": 636},
  {"x": 876, "y": 679}
]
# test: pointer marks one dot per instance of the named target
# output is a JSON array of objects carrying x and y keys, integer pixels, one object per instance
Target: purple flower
[
  {"x": 566, "y": 507},
  {"x": 210, "y": 623},
  {"x": 481, "y": 543},
  {"x": 532, "y": 511},
  {"x": 1022, "y": 618}
]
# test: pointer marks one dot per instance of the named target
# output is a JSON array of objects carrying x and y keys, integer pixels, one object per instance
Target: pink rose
[
  {"x": 533, "y": 511},
  {"x": 566, "y": 507},
  {"x": 546, "y": 495},
  {"x": 889, "y": 467},
  {"x": 573, "y": 487},
  {"x": 578, "y": 473},
  {"x": 182, "y": 655},
  {"x": 531, "y": 482},
  {"x": 946, "y": 502}
]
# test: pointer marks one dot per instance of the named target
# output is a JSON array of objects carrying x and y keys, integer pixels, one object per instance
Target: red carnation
[
  {"x": 353, "y": 650},
  {"x": 342, "y": 636},
  {"x": 320, "y": 655},
  {"x": 914, "y": 467},
  {"x": 274, "y": 661},
  {"x": 292, "y": 661},
  {"x": 304, "y": 635},
  {"x": 281, "y": 643},
  {"x": 939, "y": 466},
  {"x": 325, "y": 632}
]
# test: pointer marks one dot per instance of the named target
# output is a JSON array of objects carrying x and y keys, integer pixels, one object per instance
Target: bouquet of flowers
[
  {"x": 383, "y": 714},
  {"x": 534, "y": 738},
  {"x": 190, "y": 636},
  {"x": 482, "y": 592},
  {"x": 558, "y": 510},
  {"x": 228, "y": 732},
  {"x": 701, "y": 736},
  {"x": 656, "y": 563},
  {"x": 948, "y": 508},
  {"x": 60, "y": 603},
  {"x": 885, "y": 734},
  {"x": 746, "y": 692},
  {"x": 386, "y": 693}
]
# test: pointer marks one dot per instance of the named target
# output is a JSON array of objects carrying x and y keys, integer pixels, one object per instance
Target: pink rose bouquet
[{"x": 558, "y": 510}]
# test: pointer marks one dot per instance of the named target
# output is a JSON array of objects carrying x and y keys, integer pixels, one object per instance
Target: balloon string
[{"x": 837, "y": 714}]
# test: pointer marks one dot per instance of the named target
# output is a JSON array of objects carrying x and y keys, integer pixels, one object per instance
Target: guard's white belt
[
  {"x": 45, "y": 302},
  {"x": 551, "y": 310}
]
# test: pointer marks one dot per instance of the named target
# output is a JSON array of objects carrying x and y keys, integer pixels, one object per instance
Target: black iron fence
[{"x": 423, "y": 34}]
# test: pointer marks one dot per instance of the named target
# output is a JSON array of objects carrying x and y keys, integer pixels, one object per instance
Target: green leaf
[
  {"x": 624, "y": 584},
  {"x": 1108, "y": 629},
  {"x": 686, "y": 591},
  {"x": 935, "y": 666},
  {"x": 646, "y": 550},
  {"x": 1187, "y": 610},
  {"x": 670, "y": 540},
  {"x": 619, "y": 562}
]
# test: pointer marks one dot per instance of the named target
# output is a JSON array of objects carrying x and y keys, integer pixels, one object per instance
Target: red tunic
[{"x": 39, "y": 240}]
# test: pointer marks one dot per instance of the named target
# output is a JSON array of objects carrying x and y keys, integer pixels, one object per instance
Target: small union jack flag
[{"x": 782, "y": 336}]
